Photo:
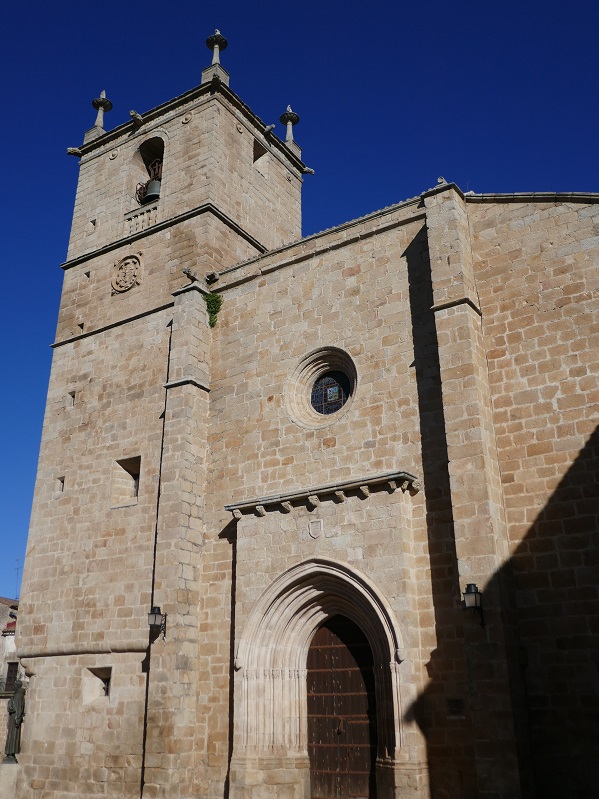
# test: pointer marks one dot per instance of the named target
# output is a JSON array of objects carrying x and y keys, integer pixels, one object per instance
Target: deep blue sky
[{"x": 496, "y": 95}]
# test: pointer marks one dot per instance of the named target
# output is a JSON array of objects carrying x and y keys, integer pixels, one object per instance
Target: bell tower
[
  {"x": 191, "y": 187},
  {"x": 201, "y": 179}
]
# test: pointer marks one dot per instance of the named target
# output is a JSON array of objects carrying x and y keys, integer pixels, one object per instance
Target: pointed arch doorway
[
  {"x": 342, "y": 722},
  {"x": 271, "y": 746}
]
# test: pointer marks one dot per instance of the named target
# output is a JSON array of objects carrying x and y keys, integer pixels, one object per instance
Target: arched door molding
[{"x": 271, "y": 655}]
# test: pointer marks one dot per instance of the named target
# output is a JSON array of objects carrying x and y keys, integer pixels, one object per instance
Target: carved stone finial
[
  {"x": 216, "y": 43},
  {"x": 441, "y": 180},
  {"x": 215, "y": 73},
  {"x": 289, "y": 118},
  {"x": 101, "y": 104}
]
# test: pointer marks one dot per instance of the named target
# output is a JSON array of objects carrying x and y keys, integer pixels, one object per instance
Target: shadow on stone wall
[
  {"x": 229, "y": 534},
  {"x": 550, "y": 613},
  {"x": 441, "y": 713},
  {"x": 556, "y": 576}
]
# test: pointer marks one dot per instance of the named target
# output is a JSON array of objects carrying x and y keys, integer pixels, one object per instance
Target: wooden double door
[{"x": 342, "y": 730}]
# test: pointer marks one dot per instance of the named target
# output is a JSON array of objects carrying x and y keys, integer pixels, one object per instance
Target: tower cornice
[{"x": 205, "y": 89}]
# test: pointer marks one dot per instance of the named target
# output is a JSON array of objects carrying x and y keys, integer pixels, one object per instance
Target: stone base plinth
[{"x": 8, "y": 780}]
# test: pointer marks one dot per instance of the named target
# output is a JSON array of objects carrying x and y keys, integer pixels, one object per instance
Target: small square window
[{"x": 96, "y": 684}]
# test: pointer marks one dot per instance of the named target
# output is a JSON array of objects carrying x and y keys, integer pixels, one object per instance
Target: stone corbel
[{"x": 338, "y": 492}]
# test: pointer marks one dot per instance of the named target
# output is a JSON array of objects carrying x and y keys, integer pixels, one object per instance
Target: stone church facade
[{"x": 306, "y": 479}]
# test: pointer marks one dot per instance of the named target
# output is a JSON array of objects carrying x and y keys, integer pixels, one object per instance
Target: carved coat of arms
[{"x": 127, "y": 273}]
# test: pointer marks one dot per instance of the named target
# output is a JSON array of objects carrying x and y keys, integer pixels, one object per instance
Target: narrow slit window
[
  {"x": 11, "y": 676},
  {"x": 261, "y": 158},
  {"x": 125, "y": 481},
  {"x": 259, "y": 150},
  {"x": 104, "y": 675}
]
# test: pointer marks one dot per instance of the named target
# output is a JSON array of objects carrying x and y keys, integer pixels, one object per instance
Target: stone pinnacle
[
  {"x": 289, "y": 118},
  {"x": 216, "y": 43},
  {"x": 101, "y": 104}
]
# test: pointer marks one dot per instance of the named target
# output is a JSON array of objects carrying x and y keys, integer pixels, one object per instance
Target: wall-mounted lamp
[
  {"x": 473, "y": 598},
  {"x": 157, "y": 622}
]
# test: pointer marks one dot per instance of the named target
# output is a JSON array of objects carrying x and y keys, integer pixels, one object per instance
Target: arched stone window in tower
[{"x": 151, "y": 155}]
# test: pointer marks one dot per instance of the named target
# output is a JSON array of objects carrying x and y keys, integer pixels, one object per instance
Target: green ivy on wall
[{"x": 213, "y": 303}]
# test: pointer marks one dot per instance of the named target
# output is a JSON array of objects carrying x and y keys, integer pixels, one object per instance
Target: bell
[{"x": 152, "y": 191}]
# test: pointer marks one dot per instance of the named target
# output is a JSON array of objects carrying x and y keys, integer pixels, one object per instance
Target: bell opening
[{"x": 152, "y": 154}]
